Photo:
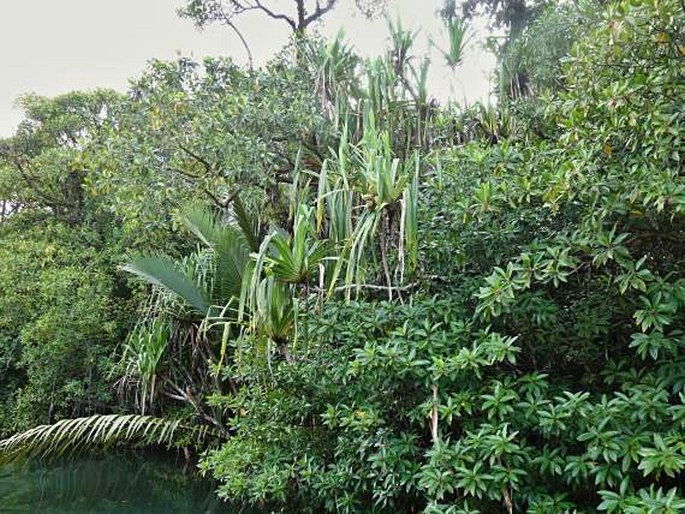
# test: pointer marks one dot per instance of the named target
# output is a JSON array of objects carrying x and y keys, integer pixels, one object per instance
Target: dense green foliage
[
  {"x": 58, "y": 324},
  {"x": 62, "y": 307},
  {"x": 394, "y": 306},
  {"x": 543, "y": 369}
]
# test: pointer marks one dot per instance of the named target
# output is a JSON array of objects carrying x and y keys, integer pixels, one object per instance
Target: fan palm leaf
[
  {"x": 162, "y": 271},
  {"x": 247, "y": 224},
  {"x": 231, "y": 245}
]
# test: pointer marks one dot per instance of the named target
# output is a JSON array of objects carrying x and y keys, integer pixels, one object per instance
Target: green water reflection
[{"x": 108, "y": 485}]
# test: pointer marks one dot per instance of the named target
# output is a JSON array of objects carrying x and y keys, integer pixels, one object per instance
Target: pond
[{"x": 109, "y": 485}]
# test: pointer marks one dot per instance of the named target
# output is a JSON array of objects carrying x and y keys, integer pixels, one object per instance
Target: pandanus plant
[
  {"x": 143, "y": 352},
  {"x": 457, "y": 35},
  {"x": 282, "y": 273},
  {"x": 396, "y": 91},
  {"x": 295, "y": 258},
  {"x": 370, "y": 197},
  {"x": 401, "y": 43},
  {"x": 335, "y": 71}
]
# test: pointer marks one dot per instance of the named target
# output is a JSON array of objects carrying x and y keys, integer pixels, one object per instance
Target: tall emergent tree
[{"x": 300, "y": 14}]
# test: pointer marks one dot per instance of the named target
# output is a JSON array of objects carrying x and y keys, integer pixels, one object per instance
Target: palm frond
[
  {"x": 231, "y": 245},
  {"x": 203, "y": 223},
  {"x": 247, "y": 224},
  {"x": 71, "y": 435},
  {"x": 162, "y": 271},
  {"x": 232, "y": 255}
]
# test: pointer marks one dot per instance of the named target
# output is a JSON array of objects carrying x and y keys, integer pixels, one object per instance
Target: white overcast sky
[{"x": 51, "y": 47}]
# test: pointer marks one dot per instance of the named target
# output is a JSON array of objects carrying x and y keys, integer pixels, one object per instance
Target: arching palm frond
[
  {"x": 71, "y": 435},
  {"x": 162, "y": 271}
]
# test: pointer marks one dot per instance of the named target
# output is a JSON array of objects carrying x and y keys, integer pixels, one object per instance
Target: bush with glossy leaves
[{"x": 542, "y": 367}]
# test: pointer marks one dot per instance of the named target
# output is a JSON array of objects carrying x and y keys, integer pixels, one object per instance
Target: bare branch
[
  {"x": 274, "y": 15},
  {"x": 190, "y": 177},
  {"x": 319, "y": 12},
  {"x": 186, "y": 396},
  {"x": 208, "y": 167},
  {"x": 231, "y": 25},
  {"x": 30, "y": 181}
]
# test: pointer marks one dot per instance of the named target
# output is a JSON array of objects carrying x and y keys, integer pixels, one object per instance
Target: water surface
[{"x": 109, "y": 485}]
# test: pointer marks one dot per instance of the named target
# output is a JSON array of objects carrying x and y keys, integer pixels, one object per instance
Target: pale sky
[{"x": 50, "y": 47}]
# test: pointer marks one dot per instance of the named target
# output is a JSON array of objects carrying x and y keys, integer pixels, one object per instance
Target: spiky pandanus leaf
[
  {"x": 273, "y": 313},
  {"x": 162, "y": 271},
  {"x": 144, "y": 349},
  {"x": 419, "y": 88},
  {"x": 340, "y": 204},
  {"x": 68, "y": 436},
  {"x": 457, "y": 38},
  {"x": 402, "y": 42},
  {"x": 367, "y": 226},
  {"x": 294, "y": 258},
  {"x": 409, "y": 229}
]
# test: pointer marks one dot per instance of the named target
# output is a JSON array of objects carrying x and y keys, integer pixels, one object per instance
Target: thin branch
[
  {"x": 191, "y": 178},
  {"x": 188, "y": 398},
  {"x": 185, "y": 174},
  {"x": 434, "y": 416},
  {"x": 229, "y": 23},
  {"x": 276, "y": 16},
  {"x": 199, "y": 158},
  {"x": 312, "y": 148},
  {"x": 372, "y": 287},
  {"x": 218, "y": 203},
  {"x": 298, "y": 24},
  {"x": 319, "y": 12},
  {"x": 30, "y": 182}
]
